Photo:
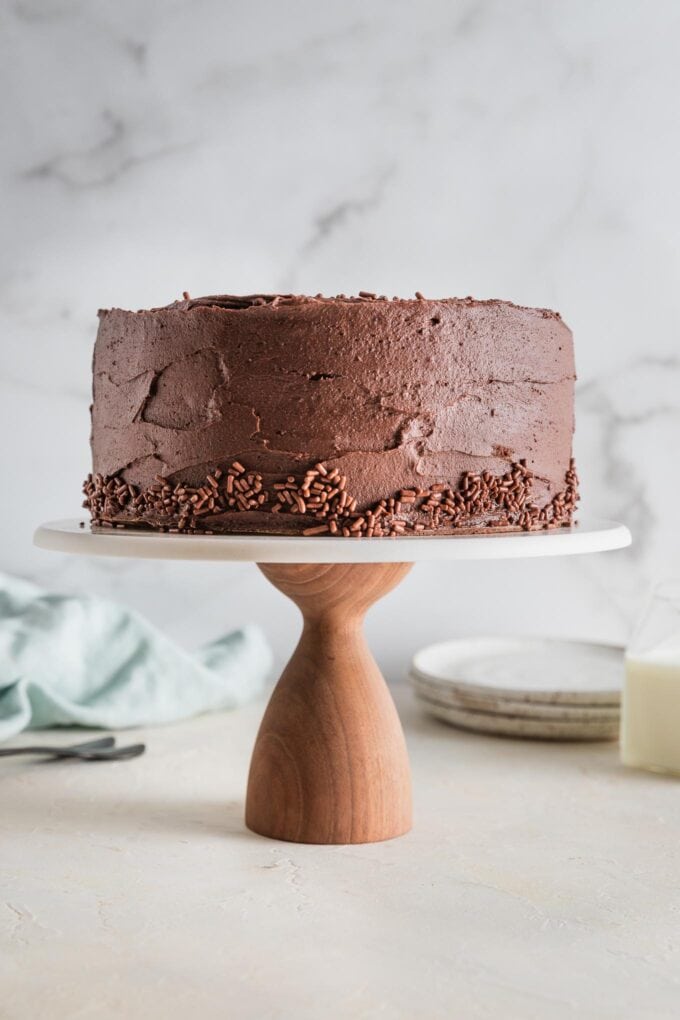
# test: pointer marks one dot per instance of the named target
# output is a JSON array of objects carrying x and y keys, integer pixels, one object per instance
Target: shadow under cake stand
[{"x": 330, "y": 763}]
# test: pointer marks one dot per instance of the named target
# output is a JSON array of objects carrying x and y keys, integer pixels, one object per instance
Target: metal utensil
[{"x": 103, "y": 749}]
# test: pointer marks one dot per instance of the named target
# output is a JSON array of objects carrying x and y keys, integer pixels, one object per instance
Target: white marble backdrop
[{"x": 501, "y": 148}]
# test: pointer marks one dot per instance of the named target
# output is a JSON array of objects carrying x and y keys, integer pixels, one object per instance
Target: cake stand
[{"x": 330, "y": 762}]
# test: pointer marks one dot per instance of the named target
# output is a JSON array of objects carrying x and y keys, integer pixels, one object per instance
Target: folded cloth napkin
[{"x": 80, "y": 660}]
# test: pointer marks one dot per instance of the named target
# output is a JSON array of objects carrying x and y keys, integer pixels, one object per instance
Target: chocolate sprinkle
[{"x": 321, "y": 500}]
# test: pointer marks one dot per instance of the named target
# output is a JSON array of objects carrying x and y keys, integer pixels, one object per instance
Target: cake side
[{"x": 423, "y": 415}]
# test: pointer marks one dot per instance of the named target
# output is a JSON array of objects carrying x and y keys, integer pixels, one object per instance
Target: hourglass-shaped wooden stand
[{"x": 330, "y": 763}]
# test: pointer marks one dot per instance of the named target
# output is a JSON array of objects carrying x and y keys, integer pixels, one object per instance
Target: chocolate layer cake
[{"x": 347, "y": 416}]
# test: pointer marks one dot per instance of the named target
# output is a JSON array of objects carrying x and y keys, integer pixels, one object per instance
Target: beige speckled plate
[
  {"x": 540, "y": 670},
  {"x": 461, "y": 698},
  {"x": 515, "y": 726}
]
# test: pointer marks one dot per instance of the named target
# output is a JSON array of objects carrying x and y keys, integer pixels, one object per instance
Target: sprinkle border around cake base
[{"x": 319, "y": 502}]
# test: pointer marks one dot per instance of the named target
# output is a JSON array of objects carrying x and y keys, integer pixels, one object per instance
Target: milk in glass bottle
[{"x": 650, "y": 721}]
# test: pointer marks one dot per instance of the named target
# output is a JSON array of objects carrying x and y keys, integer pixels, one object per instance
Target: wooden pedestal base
[{"x": 330, "y": 762}]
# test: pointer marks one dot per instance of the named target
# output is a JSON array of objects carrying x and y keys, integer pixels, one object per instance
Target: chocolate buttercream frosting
[{"x": 244, "y": 413}]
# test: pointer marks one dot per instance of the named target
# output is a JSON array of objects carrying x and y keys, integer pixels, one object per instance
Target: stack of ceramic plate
[{"x": 544, "y": 689}]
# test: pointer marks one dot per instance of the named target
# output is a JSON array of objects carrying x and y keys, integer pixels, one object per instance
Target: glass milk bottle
[{"x": 650, "y": 721}]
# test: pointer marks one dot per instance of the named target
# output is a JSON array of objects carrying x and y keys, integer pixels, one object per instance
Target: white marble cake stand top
[{"x": 588, "y": 536}]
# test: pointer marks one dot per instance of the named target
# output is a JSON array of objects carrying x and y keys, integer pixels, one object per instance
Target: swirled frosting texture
[{"x": 392, "y": 393}]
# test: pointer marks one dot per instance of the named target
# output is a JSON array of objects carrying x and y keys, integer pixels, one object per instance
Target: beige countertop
[{"x": 539, "y": 881}]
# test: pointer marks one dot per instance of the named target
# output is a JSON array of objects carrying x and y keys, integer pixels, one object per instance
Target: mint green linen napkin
[{"x": 81, "y": 660}]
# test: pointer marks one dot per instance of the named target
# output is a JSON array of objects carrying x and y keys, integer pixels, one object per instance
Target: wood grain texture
[{"x": 330, "y": 762}]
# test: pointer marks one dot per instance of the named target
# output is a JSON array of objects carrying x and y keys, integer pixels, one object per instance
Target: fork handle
[
  {"x": 90, "y": 745},
  {"x": 9, "y": 752}
]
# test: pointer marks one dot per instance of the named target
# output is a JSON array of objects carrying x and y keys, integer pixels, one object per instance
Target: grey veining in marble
[{"x": 527, "y": 151}]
